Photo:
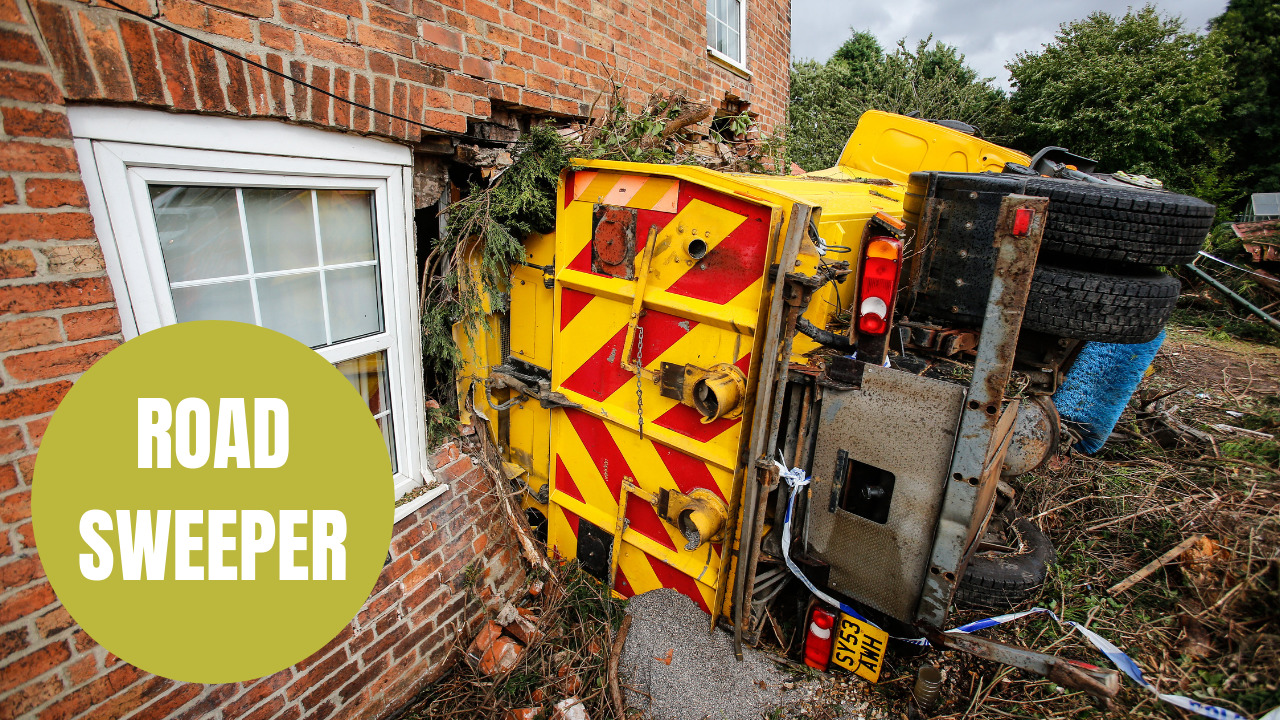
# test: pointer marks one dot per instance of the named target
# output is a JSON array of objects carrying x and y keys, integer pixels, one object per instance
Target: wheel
[
  {"x": 998, "y": 580},
  {"x": 1121, "y": 223},
  {"x": 1073, "y": 303}
]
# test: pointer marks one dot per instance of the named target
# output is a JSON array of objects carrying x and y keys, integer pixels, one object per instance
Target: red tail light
[
  {"x": 881, "y": 263},
  {"x": 818, "y": 640}
]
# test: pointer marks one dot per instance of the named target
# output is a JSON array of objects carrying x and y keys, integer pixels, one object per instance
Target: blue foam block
[{"x": 1098, "y": 386}]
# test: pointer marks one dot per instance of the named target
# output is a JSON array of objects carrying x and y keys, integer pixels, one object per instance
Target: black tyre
[
  {"x": 997, "y": 580},
  {"x": 1129, "y": 308},
  {"x": 1120, "y": 223}
]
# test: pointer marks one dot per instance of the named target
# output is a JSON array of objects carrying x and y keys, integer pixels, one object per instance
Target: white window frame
[
  {"x": 739, "y": 65},
  {"x": 123, "y": 150}
]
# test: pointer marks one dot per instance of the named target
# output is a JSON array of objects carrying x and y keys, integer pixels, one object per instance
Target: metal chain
[{"x": 639, "y": 374}]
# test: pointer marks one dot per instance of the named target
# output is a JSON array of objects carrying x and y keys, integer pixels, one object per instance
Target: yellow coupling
[
  {"x": 700, "y": 516},
  {"x": 720, "y": 393}
]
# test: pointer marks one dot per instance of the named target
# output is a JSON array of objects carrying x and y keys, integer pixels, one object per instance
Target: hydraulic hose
[{"x": 824, "y": 337}]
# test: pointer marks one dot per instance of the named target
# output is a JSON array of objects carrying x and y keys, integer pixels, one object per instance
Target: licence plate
[{"x": 860, "y": 648}]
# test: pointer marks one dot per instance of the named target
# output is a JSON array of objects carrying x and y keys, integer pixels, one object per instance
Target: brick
[
  {"x": 279, "y": 92},
  {"x": 33, "y": 665},
  {"x": 208, "y": 704},
  {"x": 19, "y": 572},
  {"x": 103, "y": 39},
  {"x": 52, "y": 193},
  {"x": 28, "y": 332},
  {"x": 16, "y": 156},
  {"x": 442, "y": 36},
  {"x": 74, "y": 259},
  {"x": 306, "y": 17},
  {"x": 259, "y": 95},
  {"x": 419, "y": 73},
  {"x": 9, "y": 12},
  {"x": 13, "y": 641},
  {"x": 90, "y": 324},
  {"x": 172, "y": 49},
  {"x": 204, "y": 63},
  {"x": 329, "y": 686},
  {"x": 342, "y": 88},
  {"x": 126, "y": 701},
  {"x": 319, "y": 101},
  {"x": 23, "y": 602},
  {"x": 21, "y": 702},
  {"x": 66, "y": 360},
  {"x": 279, "y": 38},
  {"x": 256, "y": 693},
  {"x": 53, "y": 622},
  {"x": 8, "y": 191},
  {"x": 47, "y": 226},
  {"x": 167, "y": 704},
  {"x": 10, "y": 442},
  {"x": 82, "y": 670},
  {"x": 237, "y": 85},
  {"x": 252, "y": 8},
  {"x": 477, "y": 67},
  {"x": 353, "y": 8},
  {"x": 22, "y": 402},
  {"x": 315, "y": 675},
  {"x": 345, "y": 54},
  {"x": 19, "y": 47},
  {"x": 64, "y": 45},
  {"x": 298, "y": 71},
  {"x": 26, "y": 536},
  {"x": 26, "y": 467},
  {"x": 91, "y": 694},
  {"x": 200, "y": 16},
  {"x": 382, "y": 63},
  {"x": 383, "y": 40},
  {"x": 360, "y": 118},
  {"x": 35, "y": 430},
  {"x": 16, "y": 263},
  {"x": 394, "y": 21}
]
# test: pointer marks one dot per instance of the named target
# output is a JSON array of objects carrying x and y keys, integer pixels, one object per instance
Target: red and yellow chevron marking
[
  {"x": 637, "y": 191},
  {"x": 699, "y": 312}
]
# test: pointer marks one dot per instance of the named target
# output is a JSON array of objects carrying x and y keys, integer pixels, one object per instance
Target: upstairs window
[{"x": 727, "y": 30}]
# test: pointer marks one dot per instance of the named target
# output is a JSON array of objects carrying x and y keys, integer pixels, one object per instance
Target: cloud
[{"x": 990, "y": 34}]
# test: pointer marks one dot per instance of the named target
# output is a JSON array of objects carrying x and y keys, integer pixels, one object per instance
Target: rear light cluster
[
  {"x": 881, "y": 265},
  {"x": 819, "y": 639}
]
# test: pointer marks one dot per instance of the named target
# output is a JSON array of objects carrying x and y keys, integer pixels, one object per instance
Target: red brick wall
[
  {"x": 438, "y": 62},
  {"x": 50, "y": 669}
]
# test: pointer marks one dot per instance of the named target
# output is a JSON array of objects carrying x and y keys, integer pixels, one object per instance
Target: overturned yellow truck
[{"x": 690, "y": 347}]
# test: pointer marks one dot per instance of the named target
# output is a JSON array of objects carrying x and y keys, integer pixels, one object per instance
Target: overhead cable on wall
[{"x": 292, "y": 79}]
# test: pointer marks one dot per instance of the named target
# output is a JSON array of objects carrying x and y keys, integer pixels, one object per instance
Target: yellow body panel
[{"x": 892, "y": 146}]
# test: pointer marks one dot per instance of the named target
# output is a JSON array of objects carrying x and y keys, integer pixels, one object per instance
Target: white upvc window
[
  {"x": 727, "y": 31},
  {"x": 303, "y": 231}
]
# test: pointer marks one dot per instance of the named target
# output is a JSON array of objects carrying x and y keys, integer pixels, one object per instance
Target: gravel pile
[{"x": 703, "y": 680}]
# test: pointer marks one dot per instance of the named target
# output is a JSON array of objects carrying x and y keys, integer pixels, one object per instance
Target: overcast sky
[{"x": 990, "y": 33}]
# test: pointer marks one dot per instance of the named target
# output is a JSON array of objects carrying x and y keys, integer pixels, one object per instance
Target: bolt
[
  {"x": 973, "y": 195},
  {"x": 702, "y": 266},
  {"x": 959, "y": 282},
  {"x": 964, "y": 253},
  {"x": 955, "y": 309},
  {"x": 968, "y": 225}
]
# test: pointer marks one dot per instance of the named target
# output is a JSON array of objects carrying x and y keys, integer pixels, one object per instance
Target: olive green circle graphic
[{"x": 213, "y": 630}]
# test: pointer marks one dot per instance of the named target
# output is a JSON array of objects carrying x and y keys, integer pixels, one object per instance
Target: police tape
[{"x": 795, "y": 479}]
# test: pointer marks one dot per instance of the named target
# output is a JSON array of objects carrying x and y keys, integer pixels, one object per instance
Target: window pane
[
  {"x": 199, "y": 232},
  {"x": 281, "y": 228},
  {"x": 368, "y": 375},
  {"x": 353, "y": 302},
  {"x": 732, "y": 46},
  {"x": 219, "y": 301},
  {"x": 291, "y": 304},
  {"x": 346, "y": 225},
  {"x": 711, "y": 11},
  {"x": 735, "y": 13}
]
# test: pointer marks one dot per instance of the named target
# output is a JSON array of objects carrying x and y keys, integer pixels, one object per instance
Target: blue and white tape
[{"x": 795, "y": 479}]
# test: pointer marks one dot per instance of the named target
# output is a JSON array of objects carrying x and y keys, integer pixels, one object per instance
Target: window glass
[
  {"x": 199, "y": 230},
  {"x": 346, "y": 222},
  {"x": 291, "y": 304},
  {"x": 217, "y": 301},
  {"x": 368, "y": 375},
  {"x": 319, "y": 290},
  {"x": 282, "y": 228}
]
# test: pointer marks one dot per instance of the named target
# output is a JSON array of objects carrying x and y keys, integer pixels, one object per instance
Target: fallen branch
[
  {"x": 1243, "y": 431},
  {"x": 1130, "y": 516},
  {"x": 1154, "y": 565},
  {"x": 614, "y": 655}
]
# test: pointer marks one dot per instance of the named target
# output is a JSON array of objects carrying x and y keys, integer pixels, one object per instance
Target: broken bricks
[{"x": 499, "y": 644}]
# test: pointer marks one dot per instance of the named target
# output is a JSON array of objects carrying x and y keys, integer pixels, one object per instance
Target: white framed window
[
  {"x": 303, "y": 231},
  {"x": 727, "y": 31}
]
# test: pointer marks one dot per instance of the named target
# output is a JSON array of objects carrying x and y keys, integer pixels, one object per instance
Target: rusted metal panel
[
  {"x": 970, "y": 479},
  {"x": 902, "y": 424}
]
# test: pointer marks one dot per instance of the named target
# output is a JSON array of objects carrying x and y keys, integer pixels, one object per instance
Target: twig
[
  {"x": 1130, "y": 516},
  {"x": 1154, "y": 565},
  {"x": 615, "y": 653}
]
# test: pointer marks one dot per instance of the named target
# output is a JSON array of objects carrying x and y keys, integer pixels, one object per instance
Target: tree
[
  {"x": 1137, "y": 93},
  {"x": 828, "y": 98},
  {"x": 1249, "y": 32}
]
